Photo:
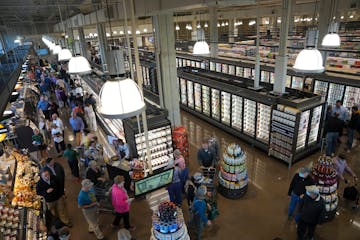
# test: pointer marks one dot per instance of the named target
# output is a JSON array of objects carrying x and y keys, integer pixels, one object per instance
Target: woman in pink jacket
[{"x": 121, "y": 203}]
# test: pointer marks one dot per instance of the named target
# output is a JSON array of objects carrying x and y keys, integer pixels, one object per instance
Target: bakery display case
[{"x": 286, "y": 127}]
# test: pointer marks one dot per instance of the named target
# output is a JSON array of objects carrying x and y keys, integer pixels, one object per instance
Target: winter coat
[{"x": 119, "y": 199}]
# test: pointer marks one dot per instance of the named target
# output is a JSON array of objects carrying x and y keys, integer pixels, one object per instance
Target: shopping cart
[
  {"x": 103, "y": 196},
  {"x": 209, "y": 174}
]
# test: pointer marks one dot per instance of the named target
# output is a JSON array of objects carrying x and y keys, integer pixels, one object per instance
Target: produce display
[
  {"x": 27, "y": 175},
  {"x": 233, "y": 179},
  {"x": 168, "y": 223},
  {"x": 325, "y": 176}
]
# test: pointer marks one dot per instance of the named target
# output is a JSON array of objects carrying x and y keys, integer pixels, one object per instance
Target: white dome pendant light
[
  {"x": 309, "y": 60},
  {"x": 332, "y": 39},
  {"x": 201, "y": 47},
  {"x": 79, "y": 65},
  {"x": 121, "y": 98},
  {"x": 64, "y": 55}
]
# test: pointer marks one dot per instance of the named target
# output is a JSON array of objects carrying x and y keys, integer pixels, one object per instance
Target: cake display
[
  {"x": 233, "y": 179},
  {"x": 325, "y": 176},
  {"x": 168, "y": 223}
]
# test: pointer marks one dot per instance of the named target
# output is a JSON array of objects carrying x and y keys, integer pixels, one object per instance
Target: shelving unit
[{"x": 257, "y": 117}]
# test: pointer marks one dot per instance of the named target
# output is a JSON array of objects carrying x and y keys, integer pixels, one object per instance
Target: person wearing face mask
[
  {"x": 121, "y": 203},
  {"x": 205, "y": 156},
  {"x": 297, "y": 189},
  {"x": 311, "y": 213}
]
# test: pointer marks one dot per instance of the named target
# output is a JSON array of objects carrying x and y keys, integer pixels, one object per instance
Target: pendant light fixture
[
  {"x": 116, "y": 94},
  {"x": 201, "y": 47},
  {"x": 63, "y": 54},
  {"x": 79, "y": 65},
  {"x": 310, "y": 60},
  {"x": 56, "y": 49},
  {"x": 332, "y": 39}
]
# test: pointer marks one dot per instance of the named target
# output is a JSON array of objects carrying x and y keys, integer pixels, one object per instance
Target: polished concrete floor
[{"x": 260, "y": 214}]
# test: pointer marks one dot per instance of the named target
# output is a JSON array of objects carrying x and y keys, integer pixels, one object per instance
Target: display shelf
[
  {"x": 233, "y": 179},
  {"x": 183, "y": 94},
  {"x": 321, "y": 88},
  {"x": 325, "y": 176},
  {"x": 351, "y": 97},
  {"x": 190, "y": 94}
]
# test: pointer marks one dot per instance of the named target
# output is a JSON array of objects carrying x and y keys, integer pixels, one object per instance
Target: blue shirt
[
  {"x": 124, "y": 149},
  {"x": 86, "y": 198},
  {"x": 43, "y": 105},
  {"x": 200, "y": 208},
  {"x": 76, "y": 123},
  {"x": 342, "y": 111}
]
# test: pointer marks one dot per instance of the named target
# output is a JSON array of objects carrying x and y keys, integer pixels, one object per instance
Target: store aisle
[{"x": 261, "y": 214}]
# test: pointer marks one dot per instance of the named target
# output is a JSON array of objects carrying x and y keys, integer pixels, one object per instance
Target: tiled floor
[{"x": 261, "y": 214}]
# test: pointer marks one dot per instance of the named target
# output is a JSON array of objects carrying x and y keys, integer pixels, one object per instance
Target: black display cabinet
[{"x": 257, "y": 117}]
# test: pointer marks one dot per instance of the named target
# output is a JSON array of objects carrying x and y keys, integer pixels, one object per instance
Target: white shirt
[
  {"x": 58, "y": 138},
  {"x": 59, "y": 123}
]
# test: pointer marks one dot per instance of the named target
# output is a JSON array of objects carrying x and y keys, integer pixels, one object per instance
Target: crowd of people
[{"x": 61, "y": 97}]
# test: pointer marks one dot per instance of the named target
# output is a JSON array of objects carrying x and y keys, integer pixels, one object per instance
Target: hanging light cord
[
  {"x": 315, "y": 11},
  {"x": 108, "y": 17}
]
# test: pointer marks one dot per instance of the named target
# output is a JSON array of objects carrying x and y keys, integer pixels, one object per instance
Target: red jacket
[{"x": 119, "y": 199}]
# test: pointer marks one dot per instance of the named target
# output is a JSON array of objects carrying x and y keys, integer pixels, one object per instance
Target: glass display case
[
  {"x": 321, "y": 88},
  {"x": 263, "y": 127},
  {"x": 197, "y": 89},
  {"x": 183, "y": 95},
  {"x": 237, "y": 107},
  {"x": 336, "y": 92},
  {"x": 302, "y": 132},
  {"x": 249, "y": 117},
  {"x": 206, "y": 100},
  {"x": 190, "y": 94},
  {"x": 225, "y": 107},
  {"x": 315, "y": 125},
  {"x": 239, "y": 71},
  {"x": 215, "y": 103},
  {"x": 352, "y": 97},
  {"x": 297, "y": 83}
]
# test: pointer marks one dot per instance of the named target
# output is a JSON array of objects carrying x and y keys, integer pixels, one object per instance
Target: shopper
[
  {"x": 77, "y": 126},
  {"x": 53, "y": 108},
  {"x": 205, "y": 156},
  {"x": 58, "y": 138},
  {"x": 121, "y": 203},
  {"x": 89, "y": 206},
  {"x": 56, "y": 170},
  {"x": 92, "y": 153},
  {"x": 333, "y": 128},
  {"x": 49, "y": 188},
  {"x": 122, "y": 149},
  {"x": 43, "y": 105},
  {"x": 341, "y": 111},
  {"x": 297, "y": 189},
  {"x": 39, "y": 142},
  {"x": 184, "y": 171},
  {"x": 312, "y": 210},
  {"x": 199, "y": 210},
  {"x": 342, "y": 167},
  {"x": 94, "y": 173},
  {"x": 175, "y": 188},
  {"x": 190, "y": 189},
  {"x": 72, "y": 158},
  {"x": 59, "y": 123},
  {"x": 90, "y": 117},
  {"x": 354, "y": 124},
  {"x": 44, "y": 128}
]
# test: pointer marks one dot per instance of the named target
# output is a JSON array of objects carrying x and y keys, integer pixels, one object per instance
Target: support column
[
  {"x": 231, "y": 30},
  {"x": 213, "y": 32},
  {"x": 166, "y": 65},
  {"x": 82, "y": 42},
  {"x": 103, "y": 44},
  {"x": 281, "y": 60},
  {"x": 325, "y": 11}
]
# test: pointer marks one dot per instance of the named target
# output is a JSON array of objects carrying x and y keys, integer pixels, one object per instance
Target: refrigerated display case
[
  {"x": 255, "y": 116},
  {"x": 225, "y": 107},
  {"x": 190, "y": 94},
  {"x": 183, "y": 94},
  {"x": 321, "y": 88},
  {"x": 197, "y": 96},
  {"x": 205, "y": 100},
  {"x": 335, "y": 93},
  {"x": 352, "y": 96}
]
